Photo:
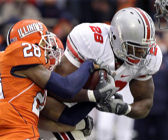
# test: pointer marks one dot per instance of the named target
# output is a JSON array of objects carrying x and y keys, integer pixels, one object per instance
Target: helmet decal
[{"x": 29, "y": 29}]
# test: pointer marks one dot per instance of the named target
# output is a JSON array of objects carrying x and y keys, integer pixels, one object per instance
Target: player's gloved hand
[
  {"x": 105, "y": 88},
  {"x": 115, "y": 105},
  {"x": 88, "y": 126},
  {"x": 107, "y": 69},
  {"x": 85, "y": 125}
]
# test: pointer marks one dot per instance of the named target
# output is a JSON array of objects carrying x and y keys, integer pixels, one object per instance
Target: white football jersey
[{"x": 91, "y": 41}]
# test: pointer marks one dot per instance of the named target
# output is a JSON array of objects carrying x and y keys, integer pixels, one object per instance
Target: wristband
[{"x": 91, "y": 96}]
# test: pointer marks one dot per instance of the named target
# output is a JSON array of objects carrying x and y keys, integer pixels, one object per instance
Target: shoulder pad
[
  {"x": 155, "y": 60},
  {"x": 88, "y": 40},
  {"x": 153, "y": 63},
  {"x": 24, "y": 53}
]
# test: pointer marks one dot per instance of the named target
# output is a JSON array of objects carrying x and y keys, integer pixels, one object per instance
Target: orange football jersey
[{"x": 20, "y": 98}]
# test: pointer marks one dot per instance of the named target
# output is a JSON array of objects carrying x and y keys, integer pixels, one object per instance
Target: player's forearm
[
  {"x": 67, "y": 115},
  {"x": 53, "y": 109},
  {"x": 82, "y": 96},
  {"x": 143, "y": 92},
  {"x": 74, "y": 114},
  {"x": 67, "y": 87},
  {"x": 140, "y": 109},
  {"x": 53, "y": 126}
]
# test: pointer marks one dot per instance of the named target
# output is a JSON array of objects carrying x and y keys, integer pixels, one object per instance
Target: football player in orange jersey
[{"x": 24, "y": 77}]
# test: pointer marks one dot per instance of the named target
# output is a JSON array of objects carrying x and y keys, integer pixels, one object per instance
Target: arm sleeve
[
  {"x": 74, "y": 114},
  {"x": 67, "y": 87}
]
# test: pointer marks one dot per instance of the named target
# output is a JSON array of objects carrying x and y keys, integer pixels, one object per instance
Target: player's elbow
[
  {"x": 146, "y": 109},
  {"x": 141, "y": 109}
]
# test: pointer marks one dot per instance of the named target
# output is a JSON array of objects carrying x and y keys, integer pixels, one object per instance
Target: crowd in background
[{"x": 62, "y": 15}]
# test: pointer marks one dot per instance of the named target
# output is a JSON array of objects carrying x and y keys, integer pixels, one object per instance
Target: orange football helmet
[
  {"x": 34, "y": 31},
  {"x": 27, "y": 30}
]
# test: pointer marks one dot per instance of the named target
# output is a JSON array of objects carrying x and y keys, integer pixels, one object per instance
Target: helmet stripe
[
  {"x": 142, "y": 20},
  {"x": 147, "y": 23}
]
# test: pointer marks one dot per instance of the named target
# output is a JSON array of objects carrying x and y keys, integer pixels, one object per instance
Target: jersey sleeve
[
  {"x": 72, "y": 53},
  {"x": 86, "y": 41},
  {"x": 154, "y": 61},
  {"x": 24, "y": 54}
]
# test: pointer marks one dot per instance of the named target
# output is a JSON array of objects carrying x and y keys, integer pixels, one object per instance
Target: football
[{"x": 94, "y": 80}]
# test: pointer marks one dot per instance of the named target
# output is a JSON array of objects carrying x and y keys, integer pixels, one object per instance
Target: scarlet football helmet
[
  {"x": 161, "y": 12},
  {"x": 132, "y": 35},
  {"x": 34, "y": 31}
]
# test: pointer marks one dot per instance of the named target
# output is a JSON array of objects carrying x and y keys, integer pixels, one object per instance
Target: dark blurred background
[{"x": 61, "y": 16}]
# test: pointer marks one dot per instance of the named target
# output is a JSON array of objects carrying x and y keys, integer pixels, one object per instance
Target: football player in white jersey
[
  {"x": 128, "y": 47},
  {"x": 161, "y": 12}
]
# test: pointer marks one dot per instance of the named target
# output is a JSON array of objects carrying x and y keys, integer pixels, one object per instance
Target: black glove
[
  {"x": 115, "y": 105},
  {"x": 105, "y": 88},
  {"x": 88, "y": 126}
]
